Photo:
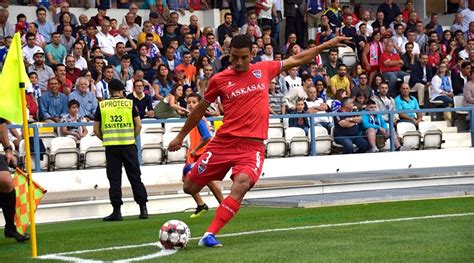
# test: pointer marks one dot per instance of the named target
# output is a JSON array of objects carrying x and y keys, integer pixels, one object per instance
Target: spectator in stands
[
  {"x": 102, "y": 87},
  {"x": 359, "y": 101},
  {"x": 44, "y": 71},
  {"x": 203, "y": 82},
  {"x": 106, "y": 41},
  {"x": 379, "y": 21},
  {"x": 53, "y": 104},
  {"x": 411, "y": 22},
  {"x": 133, "y": 28},
  {"x": 65, "y": 85},
  {"x": 267, "y": 53},
  {"x": 299, "y": 122},
  {"x": 163, "y": 84},
  {"x": 188, "y": 69},
  {"x": 411, "y": 38},
  {"x": 74, "y": 132},
  {"x": 468, "y": 91},
  {"x": 334, "y": 14},
  {"x": 420, "y": 78},
  {"x": 143, "y": 61},
  {"x": 187, "y": 44},
  {"x": 294, "y": 14},
  {"x": 125, "y": 38},
  {"x": 33, "y": 28},
  {"x": 315, "y": 104},
  {"x": 89, "y": 38},
  {"x": 33, "y": 87},
  {"x": 277, "y": 103},
  {"x": 459, "y": 80},
  {"x": 55, "y": 52},
  {"x": 362, "y": 86},
  {"x": 385, "y": 102},
  {"x": 177, "y": 5},
  {"x": 349, "y": 30},
  {"x": 101, "y": 15},
  {"x": 224, "y": 28},
  {"x": 6, "y": 29},
  {"x": 67, "y": 40},
  {"x": 410, "y": 60},
  {"x": 464, "y": 54},
  {"x": 120, "y": 51},
  {"x": 390, "y": 66},
  {"x": 87, "y": 100},
  {"x": 138, "y": 74},
  {"x": 133, "y": 9},
  {"x": 364, "y": 19},
  {"x": 421, "y": 37},
  {"x": 30, "y": 49},
  {"x": 64, "y": 8},
  {"x": 31, "y": 102},
  {"x": 399, "y": 40},
  {"x": 148, "y": 29},
  {"x": 80, "y": 61},
  {"x": 213, "y": 60},
  {"x": 346, "y": 129},
  {"x": 398, "y": 20},
  {"x": 72, "y": 73},
  {"x": 124, "y": 71},
  {"x": 332, "y": 64},
  {"x": 45, "y": 27},
  {"x": 441, "y": 86},
  {"x": 457, "y": 23},
  {"x": 339, "y": 81},
  {"x": 298, "y": 92},
  {"x": 88, "y": 75},
  {"x": 406, "y": 102},
  {"x": 370, "y": 55},
  {"x": 292, "y": 80},
  {"x": 141, "y": 101},
  {"x": 376, "y": 127},
  {"x": 239, "y": 12},
  {"x": 64, "y": 22},
  {"x": 169, "y": 107},
  {"x": 169, "y": 58},
  {"x": 434, "y": 23},
  {"x": 390, "y": 11}
]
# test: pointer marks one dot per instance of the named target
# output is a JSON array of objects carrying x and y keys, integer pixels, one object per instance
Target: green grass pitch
[{"x": 447, "y": 239}]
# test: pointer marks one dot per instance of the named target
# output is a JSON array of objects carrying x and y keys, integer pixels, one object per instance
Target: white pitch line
[{"x": 63, "y": 256}]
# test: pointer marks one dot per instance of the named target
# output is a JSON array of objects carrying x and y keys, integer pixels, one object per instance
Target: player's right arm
[{"x": 194, "y": 117}]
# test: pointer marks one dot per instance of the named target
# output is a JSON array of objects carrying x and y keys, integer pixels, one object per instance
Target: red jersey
[
  {"x": 385, "y": 56},
  {"x": 244, "y": 97}
]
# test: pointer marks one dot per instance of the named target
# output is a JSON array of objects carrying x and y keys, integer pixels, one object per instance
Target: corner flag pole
[{"x": 26, "y": 136}]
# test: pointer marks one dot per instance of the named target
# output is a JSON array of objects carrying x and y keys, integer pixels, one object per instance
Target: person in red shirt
[
  {"x": 391, "y": 67},
  {"x": 238, "y": 143}
]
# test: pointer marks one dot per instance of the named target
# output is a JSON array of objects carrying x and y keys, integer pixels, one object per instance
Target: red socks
[{"x": 224, "y": 213}]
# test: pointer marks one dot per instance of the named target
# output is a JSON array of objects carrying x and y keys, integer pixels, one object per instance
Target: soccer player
[
  {"x": 238, "y": 144},
  {"x": 199, "y": 138}
]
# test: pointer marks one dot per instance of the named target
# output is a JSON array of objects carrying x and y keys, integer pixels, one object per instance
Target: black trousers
[
  {"x": 7, "y": 200},
  {"x": 126, "y": 155}
]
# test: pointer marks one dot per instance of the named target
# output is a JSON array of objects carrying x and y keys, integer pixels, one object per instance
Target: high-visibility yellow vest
[{"x": 117, "y": 122}]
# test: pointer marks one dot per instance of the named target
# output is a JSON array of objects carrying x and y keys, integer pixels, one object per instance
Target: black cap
[{"x": 116, "y": 85}]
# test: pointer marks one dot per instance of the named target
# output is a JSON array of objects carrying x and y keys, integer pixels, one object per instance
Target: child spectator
[
  {"x": 299, "y": 122},
  {"x": 74, "y": 132},
  {"x": 375, "y": 127}
]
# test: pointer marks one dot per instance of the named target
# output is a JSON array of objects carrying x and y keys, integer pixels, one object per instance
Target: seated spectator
[
  {"x": 391, "y": 66},
  {"x": 148, "y": 29},
  {"x": 349, "y": 30},
  {"x": 88, "y": 75},
  {"x": 321, "y": 88},
  {"x": 30, "y": 49},
  {"x": 434, "y": 56},
  {"x": 468, "y": 91},
  {"x": 72, "y": 73},
  {"x": 314, "y": 104},
  {"x": 138, "y": 75},
  {"x": 53, "y": 104},
  {"x": 133, "y": 28},
  {"x": 43, "y": 71},
  {"x": 346, "y": 129},
  {"x": 411, "y": 37},
  {"x": 302, "y": 122},
  {"x": 33, "y": 87},
  {"x": 332, "y": 64},
  {"x": 169, "y": 107},
  {"x": 420, "y": 78},
  {"x": 339, "y": 81},
  {"x": 73, "y": 116},
  {"x": 292, "y": 80},
  {"x": 65, "y": 85},
  {"x": 276, "y": 100},
  {"x": 251, "y": 21},
  {"x": 399, "y": 40},
  {"x": 459, "y": 80},
  {"x": 102, "y": 87},
  {"x": 213, "y": 59},
  {"x": 375, "y": 126},
  {"x": 211, "y": 41},
  {"x": 370, "y": 55},
  {"x": 55, "y": 52},
  {"x": 64, "y": 8},
  {"x": 143, "y": 61},
  {"x": 409, "y": 59},
  {"x": 141, "y": 101},
  {"x": 163, "y": 82},
  {"x": 385, "y": 103},
  {"x": 360, "y": 101},
  {"x": 31, "y": 101},
  {"x": 180, "y": 78},
  {"x": 398, "y": 20},
  {"x": 406, "y": 102},
  {"x": 188, "y": 69},
  {"x": 77, "y": 52},
  {"x": 126, "y": 38},
  {"x": 363, "y": 86},
  {"x": 434, "y": 23},
  {"x": 124, "y": 71},
  {"x": 87, "y": 100},
  {"x": 169, "y": 58},
  {"x": 336, "y": 103},
  {"x": 299, "y": 92},
  {"x": 66, "y": 25},
  {"x": 441, "y": 86},
  {"x": 464, "y": 54},
  {"x": 203, "y": 82},
  {"x": 39, "y": 39}
]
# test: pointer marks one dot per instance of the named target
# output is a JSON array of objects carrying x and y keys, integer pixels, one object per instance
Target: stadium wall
[{"x": 61, "y": 181}]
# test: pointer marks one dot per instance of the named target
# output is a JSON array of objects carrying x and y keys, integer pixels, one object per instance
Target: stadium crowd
[{"x": 70, "y": 60}]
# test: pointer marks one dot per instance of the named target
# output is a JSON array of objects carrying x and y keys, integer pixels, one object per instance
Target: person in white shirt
[
  {"x": 102, "y": 87},
  {"x": 126, "y": 38},
  {"x": 365, "y": 20},
  {"x": 81, "y": 62},
  {"x": 30, "y": 49},
  {"x": 106, "y": 40},
  {"x": 267, "y": 53},
  {"x": 411, "y": 37},
  {"x": 292, "y": 81},
  {"x": 299, "y": 92},
  {"x": 468, "y": 16},
  {"x": 317, "y": 105},
  {"x": 399, "y": 40}
]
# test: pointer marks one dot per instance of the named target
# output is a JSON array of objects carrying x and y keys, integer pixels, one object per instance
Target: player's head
[
  {"x": 241, "y": 52},
  {"x": 193, "y": 100}
]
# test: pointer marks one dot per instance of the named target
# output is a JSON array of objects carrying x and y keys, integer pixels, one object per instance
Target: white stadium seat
[
  {"x": 298, "y": 142},
  {"x": 152, "y": 148},
  {"x": 64, "y": 154},
  {"x": 44, "y": 164},
  {"x": 177, "y": 156},
  {"x": 275, "y": 146},
  {"x": 432, "y": 136},
  {"x": 410, "y": 136},
  {"x": 154, "y": 128},
  {"x": 174, "y": 126},
  {"x": 323, "y": 140},
  {"x": 458, "y": 102},
  {"x": 276, "y": 124},
  {"x": 93, "y": 152},
  {"x": 349, "y": 59}
]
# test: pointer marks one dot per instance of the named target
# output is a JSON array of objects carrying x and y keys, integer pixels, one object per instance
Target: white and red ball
[{"x": 174, "y": 234}]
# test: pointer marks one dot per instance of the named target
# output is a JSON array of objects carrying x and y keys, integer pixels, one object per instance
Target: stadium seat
[
  {"x": 46, "y": 138},
  {"x": 44, "y": 164},
  {"x": 64, "y": 154},
  {"x": 349, "y": 59},
  {"x": 298, "y": 142},
  {"x": 173, "y": 126},
  {"x": 323, "y": 140},
  {"x": 275, "y": 146},
  {"x": 432, "y": 136},
  {"x": 434, "y": 103},
  {"x": 406, "y": 79},
  {"x": 177, "y": 156},
  {"x": 152, "y": 150},
  {"x": 276, "y": 124},
  {"x": 458, "y": 102},
  {"x": 410, "y": 136},
  {"x": 154, "y": 128},
  {"x": 93, "y": 152}
]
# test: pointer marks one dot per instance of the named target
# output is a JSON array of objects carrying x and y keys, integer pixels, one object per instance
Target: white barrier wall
[{"x": 273, "y": 168}]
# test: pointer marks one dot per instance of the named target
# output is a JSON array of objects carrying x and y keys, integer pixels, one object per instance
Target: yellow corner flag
[
  {"x": 13, "y": 73},
  {"x": 22, "y": 216}
]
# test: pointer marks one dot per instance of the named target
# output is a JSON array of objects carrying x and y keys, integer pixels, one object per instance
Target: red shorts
[{"x": 243, "y": 156}]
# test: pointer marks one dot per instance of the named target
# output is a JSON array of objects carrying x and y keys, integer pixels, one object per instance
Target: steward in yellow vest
[{"x": 117, "y": 123}]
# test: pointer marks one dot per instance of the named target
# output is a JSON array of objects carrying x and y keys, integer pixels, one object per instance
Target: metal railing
[{"x": 310, "y": 116}]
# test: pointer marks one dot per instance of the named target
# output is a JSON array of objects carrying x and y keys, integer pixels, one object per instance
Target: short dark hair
[
  {"x": 72, "y": 103},
  {"x": 332, "y": 50},
  {"x": 126, "y": 57},
  {"x": 40, "y": 9},
  {"x": 241, "y": 41},
  {"x": 465, "y": 64},
  {"x": 20, "y": 16},
  {"x": 32, "y": 73},
  {"x": 341, "y": 65},
  {"x": 149, "y": 35},
  {"x": 195, "y": 95},
  {"x": 29, "y": 34},
  {"x": 345, "y": 101},
  {"x": 370, "y": 102}
]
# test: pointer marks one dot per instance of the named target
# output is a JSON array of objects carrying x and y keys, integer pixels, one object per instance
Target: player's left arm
[{"x": 309, "y": 54}]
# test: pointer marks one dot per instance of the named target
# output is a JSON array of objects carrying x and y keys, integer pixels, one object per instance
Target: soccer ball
[{"x": 174, "y": 234}]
